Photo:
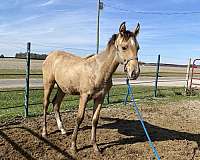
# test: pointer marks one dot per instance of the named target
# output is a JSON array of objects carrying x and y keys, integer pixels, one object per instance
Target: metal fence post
[
  {"x": 187, "y": 76},
  {"x": 26, "y": 97},
  {"x": 157, "y": 75},
  {"x": 108, "y": 97}
]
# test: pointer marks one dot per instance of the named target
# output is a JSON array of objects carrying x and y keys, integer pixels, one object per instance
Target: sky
[{"x": 170, "y": 28}]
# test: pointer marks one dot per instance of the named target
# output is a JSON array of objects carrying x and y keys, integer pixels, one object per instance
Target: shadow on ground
[{"x": 135, "y": 133}]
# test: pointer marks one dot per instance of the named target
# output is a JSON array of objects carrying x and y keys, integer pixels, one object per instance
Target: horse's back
[
  {"x": 59, "y": 57},
  {"x": 57, "y": 63}
]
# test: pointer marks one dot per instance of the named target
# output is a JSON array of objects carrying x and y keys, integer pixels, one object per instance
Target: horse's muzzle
[
  {"x": 132, "y": 72},
  {"x": 134, "y": 76}
]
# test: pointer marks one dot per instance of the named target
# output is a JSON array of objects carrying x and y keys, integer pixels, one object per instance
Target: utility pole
[{"x": 99, "y": 7}]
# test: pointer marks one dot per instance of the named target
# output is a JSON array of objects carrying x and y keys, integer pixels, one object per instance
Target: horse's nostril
[{"x": 125, "y": 69}]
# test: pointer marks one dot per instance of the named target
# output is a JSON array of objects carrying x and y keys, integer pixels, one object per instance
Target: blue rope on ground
[{"x": 141, "y": 119}]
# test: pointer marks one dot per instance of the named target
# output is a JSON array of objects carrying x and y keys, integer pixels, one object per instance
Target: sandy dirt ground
[{"x": 174, "y": 129}]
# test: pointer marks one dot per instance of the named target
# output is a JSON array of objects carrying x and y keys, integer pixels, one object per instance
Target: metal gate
[{"x": 195, "y": 75}]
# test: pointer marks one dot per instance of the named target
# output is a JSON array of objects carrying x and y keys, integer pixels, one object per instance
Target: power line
[
  {"x": 155, "y": 12},
  {"x": 124, "y": 10},
  {"x": 167, "y": 13}
]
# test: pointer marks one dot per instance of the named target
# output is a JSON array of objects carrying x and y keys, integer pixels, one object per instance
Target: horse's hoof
[
  {"x": 44, "y": 135},
  {"x": 73, "y": 148},
  {"x": 73, "y": 151},
  {"x": 63, "y": 131},
  {"x": 97, "y": 151}
]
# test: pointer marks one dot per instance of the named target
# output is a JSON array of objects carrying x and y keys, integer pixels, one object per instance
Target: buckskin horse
[{"x": 89, "y": 77}]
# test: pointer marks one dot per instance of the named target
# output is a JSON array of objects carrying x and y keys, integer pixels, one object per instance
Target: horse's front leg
[
  {"x": 80, "y": 116},
  {"x": 97, "y": 108}
]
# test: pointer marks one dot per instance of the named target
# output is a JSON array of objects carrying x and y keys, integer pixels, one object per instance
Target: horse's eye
[{"x": 124, "y": 48}]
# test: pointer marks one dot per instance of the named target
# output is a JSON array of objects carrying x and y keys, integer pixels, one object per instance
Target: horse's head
[{"x": 127, "y": 50}]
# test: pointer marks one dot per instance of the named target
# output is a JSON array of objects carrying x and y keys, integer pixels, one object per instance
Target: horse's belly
[
  {"x": 99, "y": 92},
  {"x": 70, "y": 90},
  {"x": 69, "y": 87},
  {"x": 68, "y": 81}
]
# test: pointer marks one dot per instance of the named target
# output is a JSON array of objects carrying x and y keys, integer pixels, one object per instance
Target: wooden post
[
  {"x": 26, "y": 97},
  {"x": 157, "y": 75},
  {"x": 187, "y": 76}
]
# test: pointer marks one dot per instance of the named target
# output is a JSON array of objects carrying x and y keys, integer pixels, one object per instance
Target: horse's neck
[{"x": 107, "y": 64}]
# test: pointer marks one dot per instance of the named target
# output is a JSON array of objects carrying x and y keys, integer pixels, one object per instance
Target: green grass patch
[{"x": 12, "y": 102}]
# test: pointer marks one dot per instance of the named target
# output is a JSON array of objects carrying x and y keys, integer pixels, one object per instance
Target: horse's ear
[
  {"x": 137, "y": 30},
  {"x": 122, "y": 28}
]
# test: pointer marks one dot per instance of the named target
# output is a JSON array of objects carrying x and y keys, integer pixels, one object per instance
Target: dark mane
[
  {"x": 112, "y": 40},
  {"x": 89, "y": 56},
  {"x": 126, "y": 35}
]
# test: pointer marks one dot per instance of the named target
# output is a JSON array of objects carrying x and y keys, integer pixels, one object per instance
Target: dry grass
[
  {"x": 12, "y": 66},
  {"x": 20, "y": 64}
]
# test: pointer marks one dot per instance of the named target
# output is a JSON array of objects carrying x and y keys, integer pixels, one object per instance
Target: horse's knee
[{"x": 80, "y": 117}]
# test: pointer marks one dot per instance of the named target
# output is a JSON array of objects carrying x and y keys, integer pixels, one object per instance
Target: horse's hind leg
[
  {"x": 47, "y": 92},
  {"x": 56, "y": 104}
]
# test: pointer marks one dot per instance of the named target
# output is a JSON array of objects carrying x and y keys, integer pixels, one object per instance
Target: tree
[{"x": 32, "y": 56}]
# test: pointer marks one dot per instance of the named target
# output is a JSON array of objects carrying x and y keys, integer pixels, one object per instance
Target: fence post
[
  {"x": 108, "y": 97},
  {"x": 26, "y": 97},
  {"x": 157, "y": 75},
  {"x": 187, "y": 76}
]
